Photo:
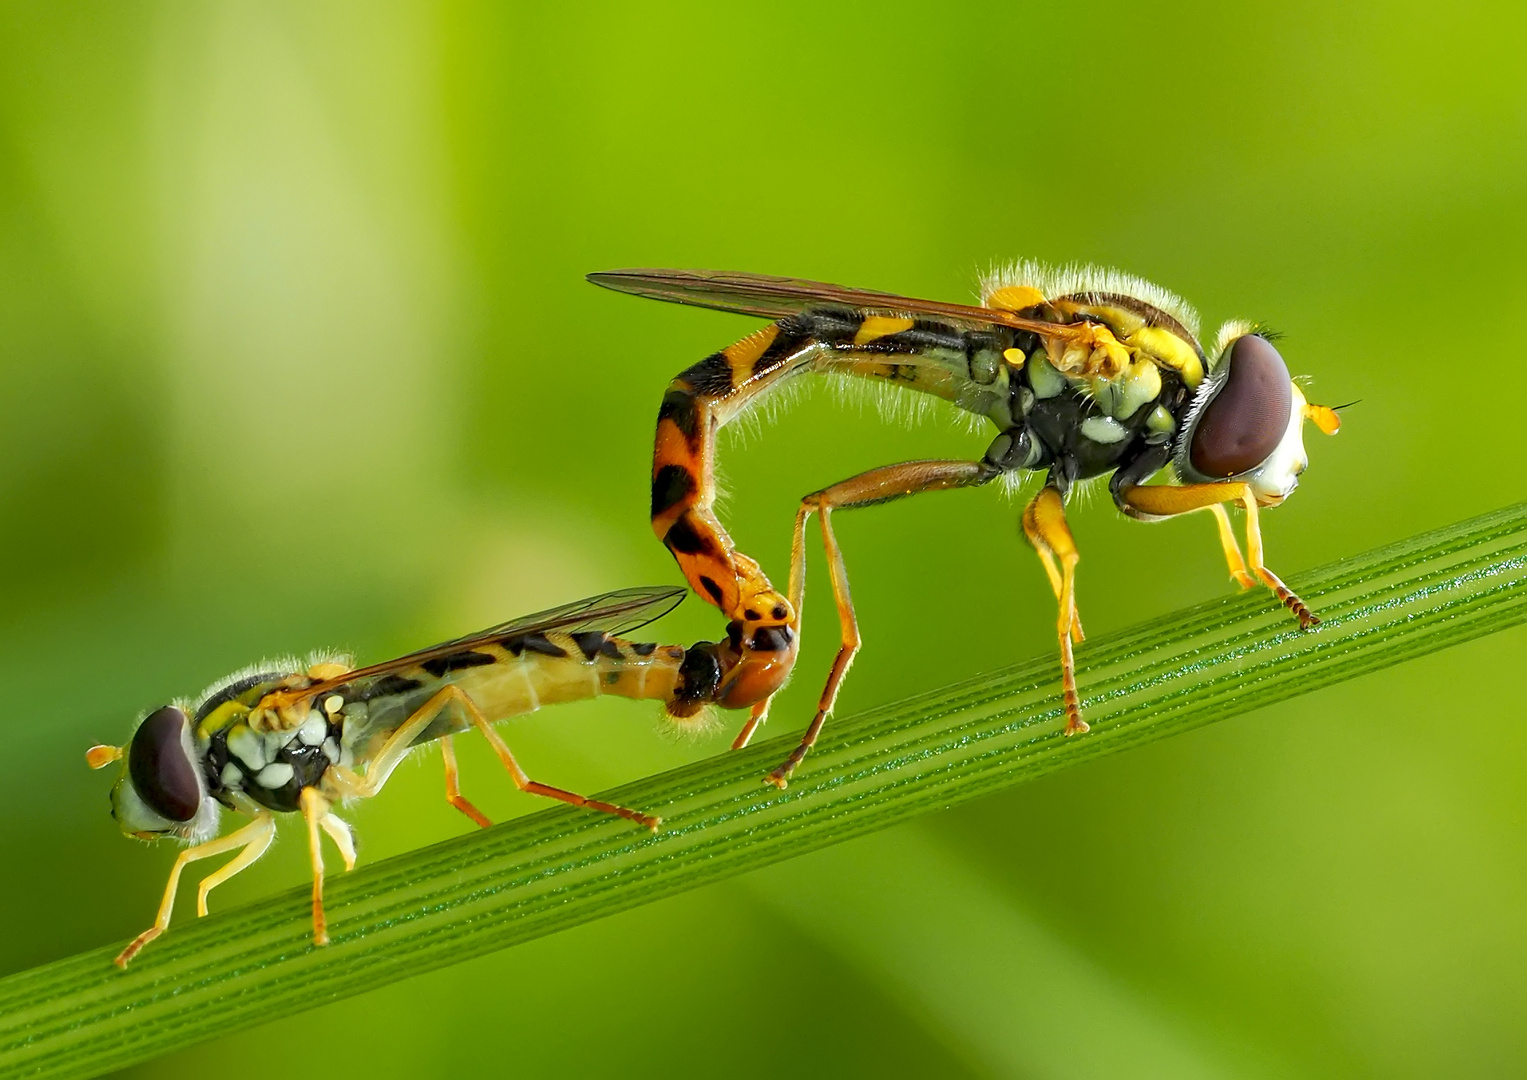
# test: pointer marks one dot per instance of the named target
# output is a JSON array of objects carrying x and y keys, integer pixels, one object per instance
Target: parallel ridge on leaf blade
[{"x": 560, "y": 867}]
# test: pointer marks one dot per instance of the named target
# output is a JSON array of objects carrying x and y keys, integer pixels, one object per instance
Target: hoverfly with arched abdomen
[
  {"x": 290, "y": 737},
  {"x": 1085, "y": 372}
]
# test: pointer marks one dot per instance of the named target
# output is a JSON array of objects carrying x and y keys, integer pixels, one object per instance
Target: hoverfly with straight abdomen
[
  {"x": 288, "y": 737},
  {"x": 1084, "y": 372}
]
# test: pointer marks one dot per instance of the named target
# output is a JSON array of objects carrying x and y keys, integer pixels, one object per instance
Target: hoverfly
[
  {"x": 288, "y": 737},
  {"x": 1084, "y": 372}
]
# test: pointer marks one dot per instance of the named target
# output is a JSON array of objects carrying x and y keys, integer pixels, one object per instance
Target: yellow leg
[
  {"x": 1166, "y": 500},
  {"x": 524, "y": 782},
  {"x": 1031, "y": 531},
  {"x": 1045, "y": 525},
  {"x": 255, "y": 832},
  {"x": 252, "y": 851},
  {"x": 1233, "y": 558},
  {"x": 350, "y": 785},
  {"x": 345, "y": 783},
  {"x": 1169, "y": 500},
  {"x": 1285, "y": 595},
  {"x": 452, "y": 788},
  {"x": 339, "y": 832},
  {"x": 314, "y": 808}
]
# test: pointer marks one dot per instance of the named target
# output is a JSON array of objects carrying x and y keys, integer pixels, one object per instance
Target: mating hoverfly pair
[{"x": 1085, "y": 373}]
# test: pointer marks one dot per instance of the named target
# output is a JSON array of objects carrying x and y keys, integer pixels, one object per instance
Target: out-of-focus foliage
[{"x": 296, "y": 352}]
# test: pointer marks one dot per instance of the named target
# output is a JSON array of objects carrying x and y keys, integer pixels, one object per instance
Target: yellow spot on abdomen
[
  {"x": 742, "y": 354},
  {"x": 1015, "y": 357},
  {"x": 879, "y": 326}
]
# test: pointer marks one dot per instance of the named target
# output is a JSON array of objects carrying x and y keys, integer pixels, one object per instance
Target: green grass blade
[{"x": 560, "y": 867}]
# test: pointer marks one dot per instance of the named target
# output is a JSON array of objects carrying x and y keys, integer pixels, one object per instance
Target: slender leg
[
  {"x": 257, "y": 831},
  {"x": 798, "y": 560},
  {"x": 797, "y": 591},
  {"x": 1045, "y": 525},
  {"x": 339, "y": 832},
  {"x": 1169, "y": 500},
  {"x": 314, "y": 807},
  {"x": 1031, "y": 531},
  {"x": 756, "y": 717},
  {"x": 252, "y": 851},
  {"x": 1232, "y": 550},
  {"x": 847, "y": 648},
  {"x": 349, "y": 785},
  {"x": 533, "y": 787},
  {"x": 1285, "y": 595},
  {"x": 452, "y": 789},
  {"x": 867, "y": 489}
]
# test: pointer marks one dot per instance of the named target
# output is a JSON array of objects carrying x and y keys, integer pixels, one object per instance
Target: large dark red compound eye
[
  {"x": 1245, "y": 421},
  {"x": 160, "y": 765}
]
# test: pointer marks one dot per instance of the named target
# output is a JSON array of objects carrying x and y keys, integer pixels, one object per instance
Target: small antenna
[{"x": 100, "y": 755}]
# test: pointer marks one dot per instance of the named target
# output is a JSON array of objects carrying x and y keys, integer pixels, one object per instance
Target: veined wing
[
  {"x": 772, "y": 297},
  {"x": 617, "y": 612}
]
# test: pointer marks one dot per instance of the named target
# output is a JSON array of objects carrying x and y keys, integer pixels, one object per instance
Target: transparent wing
[
  {"x": 617, "y": 612},
  {"x": 775, "y": 297}
]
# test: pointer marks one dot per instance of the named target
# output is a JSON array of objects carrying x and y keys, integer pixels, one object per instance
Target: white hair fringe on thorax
[
  {"x": 893, "y": 404},
  {"x": 897, "y": 405},
  {"x": 1086, "y": 491},
  {"x": 763, "y": 410},
  {"x": 1016, "y": 483},
  {"x": 1073, "y": 278},
  {"x": 283, "y": 665}
]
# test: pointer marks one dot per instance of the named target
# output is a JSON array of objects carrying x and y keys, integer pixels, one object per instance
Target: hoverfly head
[
  {"x": 160, "y": 791},
  {"x": 1246, "y": 420}
]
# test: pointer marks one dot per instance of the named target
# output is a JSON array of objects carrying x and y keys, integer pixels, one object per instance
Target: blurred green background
[{"x": 297, "y": 353}]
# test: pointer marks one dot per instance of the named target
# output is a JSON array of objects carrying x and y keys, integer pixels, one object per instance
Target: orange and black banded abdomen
[
  {"x": 712, "y": 392},
  {"x": 698, "y": 403},
  {"x": 761, "y": 620},
  {"x": 704, "y": 397}
]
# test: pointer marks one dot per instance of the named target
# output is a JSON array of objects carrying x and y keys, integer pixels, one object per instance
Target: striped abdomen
[
  {"x": 965, "y": 367},
  {"x": 523, "y": 673}
]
